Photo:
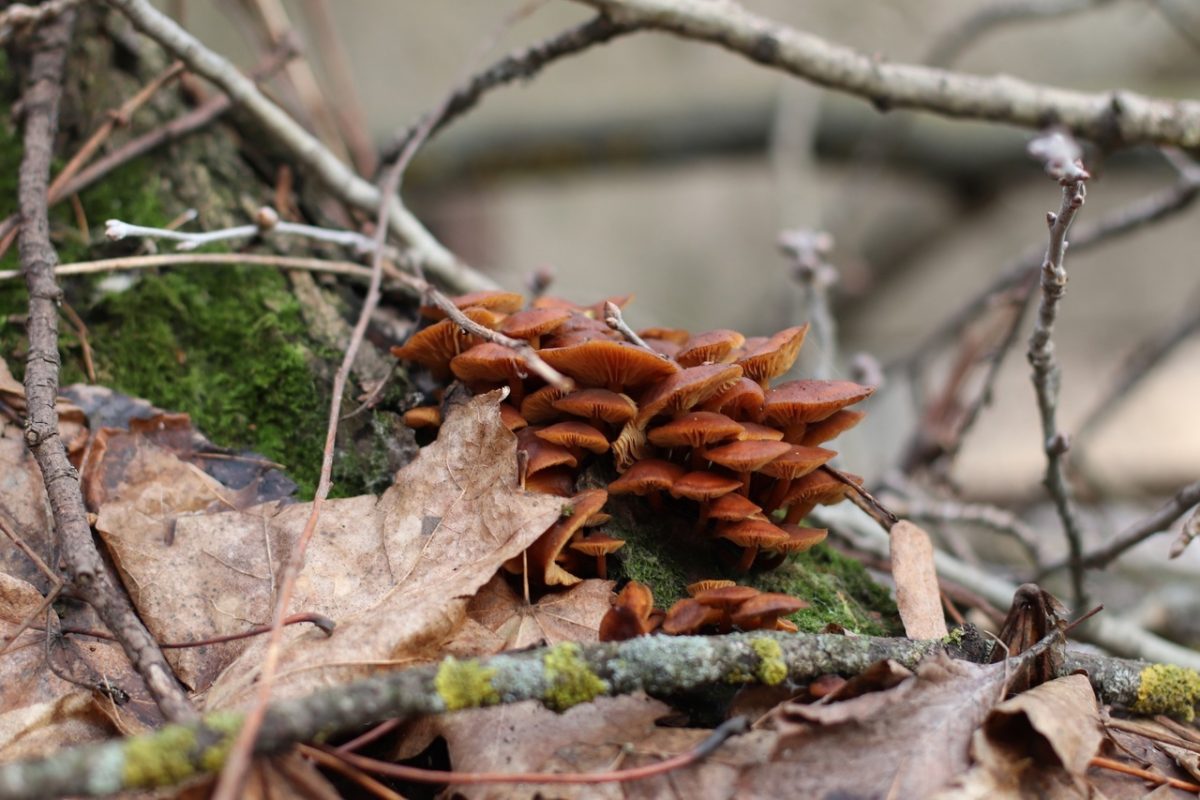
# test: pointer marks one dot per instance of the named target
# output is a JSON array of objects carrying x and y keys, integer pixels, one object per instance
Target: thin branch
[
  {"x": 1144, "y": 774},
  {"x": 1061, "y": 156},
  {"x": 1138, "y": 532},
  {"x": 1112, "y": 118},
  {"x": 988, "y": 516},
  {"x": 951, "y": 44},
  {"x": 19, "y": 16},
  {"x": 325, "y": 624},
  {"x": 721, "y": 734},
  {"x": 89, "y": 575},
  {"x": 303, "y": 146},
  {"x": 266, "y": 223},
  {"x": 519, "y": 65},
  {"x": 347, "y": 268},
  {"x": 176, "y": 129},
  {"x": 615, "y": 320}
]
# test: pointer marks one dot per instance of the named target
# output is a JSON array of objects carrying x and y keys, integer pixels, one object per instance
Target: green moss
[
  {"x": 465, "y": 684},
  {"x": 772, "y": 669},
  {"x": 838, "y": 590},
  {"x": 1168, "y": 689},
  {"x": 226, "y": 724},
  {"x": 569, "y": 680},
  {"x": 162, "y": 758}
]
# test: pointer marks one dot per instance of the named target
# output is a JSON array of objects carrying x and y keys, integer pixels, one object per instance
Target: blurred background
[{"x": 668, "y": 169}]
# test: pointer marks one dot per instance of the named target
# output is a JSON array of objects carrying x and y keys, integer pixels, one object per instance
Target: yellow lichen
[
  {"x": 1168, "y": 689},
  {"x": 159, "y": 759},
  {"x": 737, "y": 675},
  {"x": 569, "y": 680},
  {"x": 227, "y": 724},
  {"x": 465, "y": 684},
  {"x": 772, "y": 669}
]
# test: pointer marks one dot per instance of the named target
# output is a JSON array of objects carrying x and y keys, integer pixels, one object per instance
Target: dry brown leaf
[
  {"x": 40, "y": 712},
  {"x": 1038, "y": 744},
  {"x": 454, "y": 515},
  {"x": 917, "y": 593},
  {"x": 907, "y": 741},
  {"x": 570, "y": 616}
]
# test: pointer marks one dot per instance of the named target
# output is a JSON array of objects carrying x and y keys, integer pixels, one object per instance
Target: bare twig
[
  {"x": 325, "y": 624},
  {"x": 951, "y": 44},
  {"x": 1061, "y": 157},
  {"x": 1114, "y": 118},
  {"x": 809, "y": 251},
  {"x": 722, "y": 733},
  {"x": 1143, "y": 774},
  {"x": 89, "y": 575},
  {"x": 615, "y": 320},
  {"x": 266, "y": 223},
  {"x": 347, "y": 268},
  {"x": 519, "y": 65},
  {"x": 1187, "y": 534},
  {"x": 305, "y": 148},
  {"x": 866, "y": 501},
  {"x": 20, "y": 16},
  {"x": 982, "y": 514},
  {"x": 1139, "y": 531}
]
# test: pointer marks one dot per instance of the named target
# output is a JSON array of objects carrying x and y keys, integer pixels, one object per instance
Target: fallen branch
[
  {"x": 1113, "y": 118},
  {"x": 558, "y": 677},
  {"x": 89, "y": 575}
]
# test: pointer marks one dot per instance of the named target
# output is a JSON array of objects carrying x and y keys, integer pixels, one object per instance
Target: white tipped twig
[
  {"x": 267, "y": 223},
  {"x": 1060, "y": 155},
  {"x": 809, "y": 251},
  {"x": 614, "y": 320}
]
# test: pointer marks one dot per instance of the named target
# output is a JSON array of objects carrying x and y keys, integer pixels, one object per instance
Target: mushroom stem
[
  {"x": 702, "y": 520},
  {"x": 655, "y": 501},
  {"x": 798, "y": 511},
  {"x": 778, "y": 492},
  {"x": 516, "y": 388},
  {"x": 745, "y": 490},
  {"x": 747, "y": 560},
  {"x": 602, "y": 567},
  {"x": 794, "y": 433}
]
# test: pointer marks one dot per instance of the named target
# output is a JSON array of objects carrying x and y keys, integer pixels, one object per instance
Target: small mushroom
[
  {"x": 763, "y": 611},
  {"x": 704, "y": 487},
  {"x": 831, "y": 427},
  {"x": 598, "y": 545},
  {"x": 648, "y": 478},
  {"x": 799, "y": 539},
  {"x": 742, "y": 401},
  {"x": 512, "y": 418},
  {"x": 696, "y": 588},
  {"x": 597, "y": 406},
  {"x": 751, "y": 535},
  {"x": 711, "y": 347},
  {"x": 734, "y": 507},
  {"x": 794, "y": 404},
  {"x": 681, "y": 391},
  {"x": 796, "y": 462},
  {"x": 609, "y": 365},
  {"x": 489, "y": 364},
  {"x": 746, "y": 457},
  {"x": 495, "y": 302},
  {"x": 774, "y": 357},
  {"x": 694, "y": 429},
  {"x": 423, "y": 417},
  {"x": 815, "y": 488},
  {"x": 575, "y": 436},
  {"x": 534, "y": 323},
  {"x": 688, "y": 616},
  {"x": 542, "y": 554},
  {"x": 558, "y": 481},
  {"x": 753, "y": 431},
  {"x": 631, "y": 614},
  {"x": 538, "y": 407}
]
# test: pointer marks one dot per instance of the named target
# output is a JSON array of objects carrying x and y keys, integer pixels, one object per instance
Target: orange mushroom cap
[
  {"x": 752, "y": 533},
  {"x": 687, "y": 616},
  {"x": 630, "y": 614},
  {"x": 538, "y": 407},
  {"x": 753, "y": 431},
  {"x": 423, "y": 417},
  {"x": 797, "y": 461},
  {"x": 741, "y": 401},
  {"x": 734, "y": 508},
  {"x": 696, "y": 588},
  {"x": 511, "y": 418},
  {"x": 762, "y": 611},
  {"x": 543, "y": 552},
  {"x": 648, "y": 475},
  {"x": 497, "y": 302},
  {"x": 703, "y": 486},
  {"x": 683, "y": 390},
  {"x": 695, "y": 429},
  {"x": 746, "y": 456},
  {"x": 574, "y": 434},
  {"x": 831, "y": 427},
  {"x": 675, "y": 336},
  {"x": 709, "y": 347},
  {"x": 609, "y": 364},
  {"x": 434, "y": 346},
  {"x": 534, "y": 322},
  {"x": 598, "y": 405},
  {"x": 774, "y": 357},
  {"x": 559, "y": 481},
  {"x": 811, "y": 400},
  {"x": 488, "y": 363},
  {"x": 727, "y": 597},
  {"x": 799, "y": 539},
  {"x": 542, "y": 454}
]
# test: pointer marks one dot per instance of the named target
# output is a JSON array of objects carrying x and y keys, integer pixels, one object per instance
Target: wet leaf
[{"x": 570, "y": 616}]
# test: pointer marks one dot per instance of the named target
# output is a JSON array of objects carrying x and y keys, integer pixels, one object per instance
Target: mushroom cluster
[
  {"x": 685, "y": 418},
  {"x": 714, "y": 606}
]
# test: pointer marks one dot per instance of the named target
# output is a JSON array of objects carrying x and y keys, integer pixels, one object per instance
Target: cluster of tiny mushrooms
[{"x": 686, "y": 416}]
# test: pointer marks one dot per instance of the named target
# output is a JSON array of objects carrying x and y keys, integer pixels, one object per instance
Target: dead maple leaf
[
  {"x": 917, "y": 593},
  {"x": 416, "y": 557},
  {"x": 1038, "y": 744},
  {"x": 570, "y": 616},
  {"x": 907, "y": 741}
]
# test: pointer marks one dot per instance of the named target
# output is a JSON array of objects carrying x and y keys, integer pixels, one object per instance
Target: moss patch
[
  {"x": 569, "y": 680},
  {"x": 838, "y": 590},
  {"x": 159, "y": 759},
  {"x": 465, "y": 684},
  {"x": 772, "y": 669},
  {"x": 1168, "y": 689}
]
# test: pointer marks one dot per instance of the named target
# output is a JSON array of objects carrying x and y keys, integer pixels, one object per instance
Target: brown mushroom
[
  {"x": 630, "y": 615},
  {"x": 609, "y": 365},
  {"x": 534, "y": 323},
  {"x": 598, "y": 545},
  {"x": 512, "y": 418},
  {"x": 727, "y": 597},
  {"x": 794, "y": 404},
  {"x": 696, "y": 588},
  {"x": 489, "y": 364},
  {"x": 681, "y": 391},
  {"x": 559, "y": 481},
  {"x": 831, "y": 427},
  {"x": 542, "y": 554},
  {"x": 774, "y": 357},
  {"x": 704, "y": 487},
  {"x": 734, "y": 507},
  {"x": 711, "y": 347},
  {"x": 675, "y": 336},
  {"x": 423, "y": 417},
  {"x": 796, "y": 462},
  {"x": 753, "y": 431},
  {"x": 811, "y": 490},
  {"x": 799, "y": 539},
  {"x": 575, "y": 436},
  {"x": 745, "y": 457},
  {"x": 742, "y": 401},
  {"x": 496, "y": 302},
  {"x": 751, "y": 535},
  {"x": 538, "y": 407},
  {"x": 762, "y": 612},
  {"x": 435, "y": 346},
  {"x": 648, "y": 478},
  {"x": 597, "y": 406},
  {"x": 540, "y": 454},
  {"x": 694, "y": 429},
  {"x": 687, "y": 616}
]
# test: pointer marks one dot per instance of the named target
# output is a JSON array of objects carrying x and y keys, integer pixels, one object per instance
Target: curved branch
[{"x": 1112, "y": 118}]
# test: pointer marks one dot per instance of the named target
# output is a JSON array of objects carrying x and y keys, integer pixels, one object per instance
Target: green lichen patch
[
  {"x": 465, "y": 684},
  {"x": 221, "y": 730},
  {"x": 838, "y": 590},
  {"x": 772, "y": 669},
  {"x": 163, "y": 758},
  {"x": 569, "y": 679},
  {"x": 1168, "y": 689}
]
